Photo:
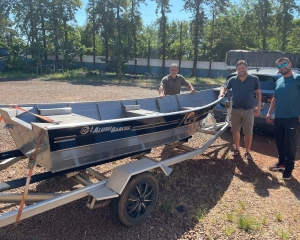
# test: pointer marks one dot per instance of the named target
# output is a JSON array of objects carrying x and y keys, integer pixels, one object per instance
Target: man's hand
[
  {"x": 221, "y": 95},
  {"x": 256, "y": 111},
  {"x": 268, "y": 118},
  {"x": 193, "y": 91},
  {"x": 161, "y": 95}
]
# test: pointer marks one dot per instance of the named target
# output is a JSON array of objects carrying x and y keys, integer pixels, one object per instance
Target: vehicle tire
[{"x": 137, "y": 199}]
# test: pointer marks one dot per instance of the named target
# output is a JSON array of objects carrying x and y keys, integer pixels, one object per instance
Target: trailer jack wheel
[{"x": 137, "y": 199}]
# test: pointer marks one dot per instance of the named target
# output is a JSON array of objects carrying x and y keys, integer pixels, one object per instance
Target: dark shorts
[{"x": 244, "y": 118}]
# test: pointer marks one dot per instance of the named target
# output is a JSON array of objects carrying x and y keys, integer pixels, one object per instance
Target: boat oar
[{"x": 39, "y": 116}]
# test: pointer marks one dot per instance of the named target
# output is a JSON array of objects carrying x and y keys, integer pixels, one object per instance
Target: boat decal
[
  {"x": 111, "y": 129},
  {"x": 84, "y": 130}
]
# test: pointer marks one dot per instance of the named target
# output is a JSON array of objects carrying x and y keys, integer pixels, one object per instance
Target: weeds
[
  {"x": 283, "y": 235},
  {"x": 169, "y": 206},
  {"x": 242, "y": 205},
  {"x": 278, "y": 216},
  {"x": 230, "y": 217},
  {"x": 200, "y": 216},
  {"x": 17, "y": 75},
  {"x": 229, "y": 230},
  {"x": 239, "y": 211},
  {"x": 264, "y": 221},
  {"x": 247, "y": 223}
]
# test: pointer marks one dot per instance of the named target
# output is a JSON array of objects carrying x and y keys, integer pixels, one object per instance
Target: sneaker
[
  {"x": 248, "y": 156},
  {"x": 277, "y": 167},
  {"x": 286, "y": 176},
  {"x": 235, "y": 153}
]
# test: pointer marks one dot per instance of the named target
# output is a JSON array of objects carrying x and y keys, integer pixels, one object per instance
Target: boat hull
[{"x": 80, "y": 139}]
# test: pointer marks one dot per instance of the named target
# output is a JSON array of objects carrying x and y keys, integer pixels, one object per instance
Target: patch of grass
[
  {"x": 283, "y": 235},
  {"x": 247, "y": 223},
  {"x": 169, "y": 206},
  {"x": 213, "y": 221},
  {"x": 17, "y": 75},
  {"x": 242, "y": 205},
  {"x": 84, "y": 75},
  {"x": 279, "y": 216},
  {"x": 264, "y": 221},
  {"x": 229, "y": 230},
  {"x": 230, "y": 217},
  {"x": 201, "y": 215},
  {"x": 218, "y": 80},
  {"x": 239, "y": 211}
]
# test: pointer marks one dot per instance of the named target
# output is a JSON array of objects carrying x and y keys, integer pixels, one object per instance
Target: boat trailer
[{"x": 131, "y": 189}]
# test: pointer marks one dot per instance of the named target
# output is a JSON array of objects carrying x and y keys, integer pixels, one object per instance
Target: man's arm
[
  {"x": 271, "y": 109},
  {"x": 258, "y": 99},
  {"x": 191, "y": 88},
  {"x": 188, "y": 85},
  {"x": 222, "y": 92},
  {"x": 225, "y": 87}
]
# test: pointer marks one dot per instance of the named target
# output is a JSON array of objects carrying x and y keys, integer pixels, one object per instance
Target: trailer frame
[{"x": 111, "y": 188}]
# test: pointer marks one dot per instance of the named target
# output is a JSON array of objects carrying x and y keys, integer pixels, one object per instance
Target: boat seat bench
[
  {"x": 140, "y": 112},
  {"x": 55, "y": 111}
]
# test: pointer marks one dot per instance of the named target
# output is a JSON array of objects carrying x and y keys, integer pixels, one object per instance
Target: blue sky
[{"x": 148, "y": 12}]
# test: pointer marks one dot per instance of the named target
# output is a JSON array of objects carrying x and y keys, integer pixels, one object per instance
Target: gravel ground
[{"x": 212, "y": 196}]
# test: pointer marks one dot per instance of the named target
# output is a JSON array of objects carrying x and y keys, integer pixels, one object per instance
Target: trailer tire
[{"x": 137, "y": 199}]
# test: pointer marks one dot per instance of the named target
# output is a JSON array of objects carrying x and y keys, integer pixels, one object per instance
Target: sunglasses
[{"x": 282, "y": 65}]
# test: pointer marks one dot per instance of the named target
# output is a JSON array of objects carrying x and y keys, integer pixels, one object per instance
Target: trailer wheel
[{"x": 137, "y": 199}]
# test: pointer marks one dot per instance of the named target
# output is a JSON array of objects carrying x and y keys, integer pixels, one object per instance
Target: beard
[
  {"x": 285, "y": 71},
  {"x": 242, "y": 74}
]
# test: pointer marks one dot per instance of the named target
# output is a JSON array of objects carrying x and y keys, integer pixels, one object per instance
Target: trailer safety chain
[{"x": 30, "y": 166}]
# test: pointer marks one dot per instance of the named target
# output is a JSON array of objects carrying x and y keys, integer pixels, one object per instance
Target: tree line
[{"x": 115, "y": 29}]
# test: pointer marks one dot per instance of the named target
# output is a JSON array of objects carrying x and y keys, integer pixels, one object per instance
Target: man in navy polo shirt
[
  {"x": 243, "y": 110},
  {"x": 286, "y": 103}
]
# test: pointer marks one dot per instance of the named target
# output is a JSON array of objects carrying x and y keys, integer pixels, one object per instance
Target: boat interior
[{"x": 79, "y": 112}]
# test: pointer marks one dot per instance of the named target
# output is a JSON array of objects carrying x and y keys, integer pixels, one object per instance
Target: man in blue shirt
[
  {"x": 286, "y": 103},
  {"x": 243, "y": 111}
]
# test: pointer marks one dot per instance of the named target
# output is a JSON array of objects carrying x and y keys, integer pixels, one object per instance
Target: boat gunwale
[{"x": 117, "y": 120}]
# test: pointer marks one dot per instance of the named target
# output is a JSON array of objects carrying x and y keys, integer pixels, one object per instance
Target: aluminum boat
[{"x": 69, "y": 135}]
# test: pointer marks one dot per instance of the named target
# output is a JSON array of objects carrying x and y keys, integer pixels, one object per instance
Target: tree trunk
[
  {"x": 44, "y": 35},
  {"x": 163, "y": 39},
  {"x": 180, "y": 48},
  {"x": 66, "y": 61},
  {"x": 149, "y": 56},
  {"x": 196, "y": 39},
  {"x": 94, "y": 38},
  {"x": 211, "y": 43}
]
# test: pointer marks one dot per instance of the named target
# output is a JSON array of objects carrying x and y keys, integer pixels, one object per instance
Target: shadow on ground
[
  {"x": 194, "y": 187},
  {"x": 186, "y": 196}
]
